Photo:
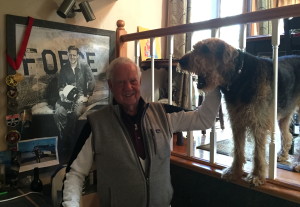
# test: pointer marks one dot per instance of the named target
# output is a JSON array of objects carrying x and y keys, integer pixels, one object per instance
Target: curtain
[
  {"x": 265, "y": 28},
  {"x": 261, "y": 28},
  {"x": 279, "y": 3},
  {"x": 177, "y": 14}
]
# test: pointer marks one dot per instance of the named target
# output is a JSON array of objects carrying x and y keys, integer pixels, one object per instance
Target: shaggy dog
[{"x": 247, "y": 84}]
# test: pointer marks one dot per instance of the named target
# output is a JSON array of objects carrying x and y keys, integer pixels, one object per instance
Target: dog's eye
[
  {"x": 201, "y": 82},
  {"x": 184, "y": 61}
]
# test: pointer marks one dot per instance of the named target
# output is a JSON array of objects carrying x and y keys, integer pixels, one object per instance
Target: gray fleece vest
[{"x": 121, "y": 179}]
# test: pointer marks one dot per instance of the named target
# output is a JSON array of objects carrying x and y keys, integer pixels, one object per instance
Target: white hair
[{"x": 116, "y": 62}]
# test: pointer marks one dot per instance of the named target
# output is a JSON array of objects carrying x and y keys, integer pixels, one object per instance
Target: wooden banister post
[{"x": 121, "y": 47}]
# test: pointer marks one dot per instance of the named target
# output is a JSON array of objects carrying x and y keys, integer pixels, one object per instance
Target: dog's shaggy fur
[{"x": 247, "y": 84}]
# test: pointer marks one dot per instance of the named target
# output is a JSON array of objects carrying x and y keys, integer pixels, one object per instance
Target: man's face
[
  {"x": 125, "y": 85},
  {"x": 73, "y": 56}
]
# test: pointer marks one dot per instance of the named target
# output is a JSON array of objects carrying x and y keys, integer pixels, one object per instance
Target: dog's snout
[{"x": 201, "y": 82}]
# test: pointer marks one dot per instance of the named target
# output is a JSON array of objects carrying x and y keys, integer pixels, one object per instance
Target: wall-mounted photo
[
  {"x": 41, "y": 152},
  {"x": 63, "y": 77}
]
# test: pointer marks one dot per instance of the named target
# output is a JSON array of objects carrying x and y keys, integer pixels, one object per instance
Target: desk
[{"x": 30, "y": 200}]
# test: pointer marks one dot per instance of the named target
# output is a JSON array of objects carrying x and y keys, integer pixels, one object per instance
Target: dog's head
[{"x": 212, "y": 60}]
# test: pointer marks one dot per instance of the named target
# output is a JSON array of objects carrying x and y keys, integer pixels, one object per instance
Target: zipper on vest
[
  {"x": 117, "y": 112},
  {"x": 148, "y": 190},
  {"x": 146, "y": 145},
  {"x": 145, "y": 171}
]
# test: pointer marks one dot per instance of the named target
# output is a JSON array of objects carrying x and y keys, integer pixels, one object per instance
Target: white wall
[{"x": 149, "y": 14}]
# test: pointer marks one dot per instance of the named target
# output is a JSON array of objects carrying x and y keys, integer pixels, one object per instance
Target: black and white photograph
[
  {"x": 63, "y": 77},
  {"x": 40, "y": 153}
]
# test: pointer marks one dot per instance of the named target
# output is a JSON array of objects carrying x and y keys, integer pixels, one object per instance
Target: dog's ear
[
  {"x": 204, "y": 49},
  {"x": 220, "y": 51},
  {"x": 201, "y": 48}
]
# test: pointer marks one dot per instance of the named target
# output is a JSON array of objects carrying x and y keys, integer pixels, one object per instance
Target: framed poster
[
  {"x": 55, "y": 94},
  {"x": 145, "y": 46},
  {"x": 41, "y": 152}
]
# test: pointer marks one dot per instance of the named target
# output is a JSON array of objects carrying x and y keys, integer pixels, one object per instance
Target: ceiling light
[
  {"x": 68, "y": 8},
  {"x": 87, "y": 11}
]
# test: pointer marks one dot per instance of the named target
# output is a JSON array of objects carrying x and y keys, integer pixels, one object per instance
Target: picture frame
[
  {"x": 41, "y": 153},
  {"x": 145, "y": 46},
  {"x": 38, "y": 92}
]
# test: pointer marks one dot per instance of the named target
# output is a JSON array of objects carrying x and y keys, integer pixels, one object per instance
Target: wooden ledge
[
  {"x": 276, "y": 187},
  {"x": 158, "y": 63},
  {"x": 260, "y": 37}
]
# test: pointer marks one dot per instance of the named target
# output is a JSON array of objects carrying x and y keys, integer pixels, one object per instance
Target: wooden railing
[{"x": 263, "y": 15}]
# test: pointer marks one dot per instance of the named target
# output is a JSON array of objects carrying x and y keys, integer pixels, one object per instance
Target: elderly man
[{"x": 129, "y": 141}]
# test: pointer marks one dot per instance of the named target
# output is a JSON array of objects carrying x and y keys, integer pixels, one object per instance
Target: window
[
  {"x": 201, "y": 11},
  {"x": 204, "y": 11}
]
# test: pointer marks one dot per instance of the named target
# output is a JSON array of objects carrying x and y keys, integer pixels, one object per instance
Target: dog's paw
[
  {"x": 255, "y": 180},
  {"x": 296, "y": 167},
  {"x": 282, "y": 158},
  {"x": 231, "y": 174}
]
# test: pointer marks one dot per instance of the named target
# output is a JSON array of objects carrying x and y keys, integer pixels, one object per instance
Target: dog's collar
[{"x": 240, "y": 62}]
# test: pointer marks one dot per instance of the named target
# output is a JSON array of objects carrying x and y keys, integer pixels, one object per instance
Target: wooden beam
[{"x": 250, "y": 17}]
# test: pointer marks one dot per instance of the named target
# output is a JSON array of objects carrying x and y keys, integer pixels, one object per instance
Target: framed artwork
[
  {"x": 145, "y": 46},
  {"x": 54, "y": 95},
  {"x": 41, "y": 152}
]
